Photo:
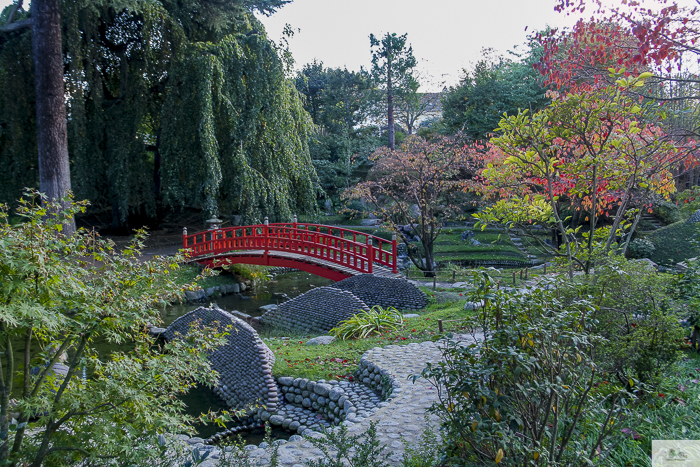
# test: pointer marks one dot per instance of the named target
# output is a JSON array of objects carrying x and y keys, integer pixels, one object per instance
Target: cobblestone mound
[
  {"x": 384, "y": 291},
  {"x": 244, "y": 363},
  {"x": 317, "y": 311}
]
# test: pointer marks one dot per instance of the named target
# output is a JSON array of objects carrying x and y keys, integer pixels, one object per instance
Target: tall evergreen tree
[
  {"x": 338, "y": 101},
  {"x": 392, "y": 67}
]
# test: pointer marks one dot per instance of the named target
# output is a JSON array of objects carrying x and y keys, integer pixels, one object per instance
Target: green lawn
[{"x": 340, "y": 358}]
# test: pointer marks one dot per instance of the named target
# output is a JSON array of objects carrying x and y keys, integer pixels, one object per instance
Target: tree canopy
[
  {"x": 496, "y": 85},
  {"x": 169, "y": 104},
  {"x": 338, "y": 101}
]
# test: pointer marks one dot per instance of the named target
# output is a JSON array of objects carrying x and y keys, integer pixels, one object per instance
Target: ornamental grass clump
[
  {"x": 529, "y": 393},
  {"x": 368, "y": 323}
]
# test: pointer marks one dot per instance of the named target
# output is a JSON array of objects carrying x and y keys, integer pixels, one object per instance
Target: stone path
[{"x": 402, "y": 416}]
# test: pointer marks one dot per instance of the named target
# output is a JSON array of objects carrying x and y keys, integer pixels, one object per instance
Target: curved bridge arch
[{"x": 326, "y": 251}]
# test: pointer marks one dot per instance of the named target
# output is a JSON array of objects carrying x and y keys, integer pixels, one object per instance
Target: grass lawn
[{"x": 340, "y": 358}]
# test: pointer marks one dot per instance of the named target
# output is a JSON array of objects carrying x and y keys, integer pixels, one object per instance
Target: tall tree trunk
[
  {"x": 52, "y": 136},
  {"x": 390, "y": 104}
]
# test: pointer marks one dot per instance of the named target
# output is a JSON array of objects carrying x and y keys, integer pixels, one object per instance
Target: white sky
[{"x": 446, "y": 35}]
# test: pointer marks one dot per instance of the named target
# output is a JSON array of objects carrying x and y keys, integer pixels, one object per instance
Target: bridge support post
[
  {"x": 394, "y": 269},
  {"x": 266, "y": 239},
  {"x": 370, "y": 255},
  {"x": 184, "y": 239}
]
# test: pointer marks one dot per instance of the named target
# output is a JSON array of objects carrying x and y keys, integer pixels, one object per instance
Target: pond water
[{"x": 202, "y": 399}]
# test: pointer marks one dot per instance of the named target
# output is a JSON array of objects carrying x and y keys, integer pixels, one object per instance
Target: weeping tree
[
  {"x": 170, "y": 104},
  {"x": 230, "y": 103}
]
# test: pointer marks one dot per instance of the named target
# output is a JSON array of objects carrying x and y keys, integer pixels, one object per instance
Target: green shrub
[
  {"x": 426, "y": 453},
  {"x": 341, "y": 449},
  {"x": 689, "y": 200},
  {"x": 636, "y": 315},
  {"x": 668, "y": 212},
  {"x": 530, "y": 393},
  {"x": 368, "y": 323},
  {"x": 233, "y": 453},
  {"x": 640, "y": 248},
  {"x": 254, "y": 273}
]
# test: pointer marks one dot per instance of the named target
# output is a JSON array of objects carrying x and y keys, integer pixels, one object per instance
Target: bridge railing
[{"x": 349, "y": 248}]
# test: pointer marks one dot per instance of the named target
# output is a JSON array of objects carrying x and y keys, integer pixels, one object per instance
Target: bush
[
  {"x": 341, "y": 449},
  {"x": 367, "y": 323},
  {"x": 640, "y": 248},
  {"x": 530, "y": 393},
  {"x": 668, "y": 212},
  {"x": 64, "y": 297},
  {"x": 637, "y": 316}
]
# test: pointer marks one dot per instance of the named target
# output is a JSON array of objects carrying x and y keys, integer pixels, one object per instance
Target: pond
[{"x": 202, "y": 399}]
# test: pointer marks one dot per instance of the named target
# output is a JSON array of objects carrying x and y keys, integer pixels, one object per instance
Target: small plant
[
  {"x": 233, "y": 453},
  {"x": 640, "y": 248},
  {"x": 368, "y": 323},
  {"x": 426, "y": 453},
  {"x": 341, "y": 449}
]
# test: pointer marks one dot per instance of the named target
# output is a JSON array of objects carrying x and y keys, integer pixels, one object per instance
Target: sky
[{"x": 446, "y": 35}]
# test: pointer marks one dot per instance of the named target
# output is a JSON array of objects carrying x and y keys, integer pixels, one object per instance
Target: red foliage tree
[{"x": 418, "y": 185}]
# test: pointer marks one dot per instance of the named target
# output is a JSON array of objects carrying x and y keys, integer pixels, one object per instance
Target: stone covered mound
[
  {"x": 384, "y": 291},
  {"x": 317, "y": 311},
  {"x": 244, "y": 363}
]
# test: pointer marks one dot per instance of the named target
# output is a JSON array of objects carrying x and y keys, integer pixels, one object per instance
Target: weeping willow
[
  {"x": 230, "y": 106},
  {"x": 171, "y": 104}
]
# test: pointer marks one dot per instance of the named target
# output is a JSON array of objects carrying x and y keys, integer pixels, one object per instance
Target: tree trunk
[
  {"x": 390, "y": 104},
  {"x": 52, "y": 136}
]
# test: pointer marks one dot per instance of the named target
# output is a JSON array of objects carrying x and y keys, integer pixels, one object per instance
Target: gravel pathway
[{"x": 402, "y": 416}]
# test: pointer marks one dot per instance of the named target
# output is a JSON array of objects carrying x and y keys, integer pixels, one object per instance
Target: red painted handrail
[{"x": 349, "y": 248}]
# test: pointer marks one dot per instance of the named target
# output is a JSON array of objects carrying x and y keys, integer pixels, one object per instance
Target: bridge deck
[{"x": 377, "y": 269}]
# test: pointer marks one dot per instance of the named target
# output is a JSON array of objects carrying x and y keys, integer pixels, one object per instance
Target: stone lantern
[{"x": 213, "y": 223}]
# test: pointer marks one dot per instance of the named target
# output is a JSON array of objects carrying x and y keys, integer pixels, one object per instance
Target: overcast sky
[{"x": 446, "y": 35}]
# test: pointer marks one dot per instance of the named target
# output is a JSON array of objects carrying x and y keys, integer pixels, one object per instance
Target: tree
[
  {"x": 495, "y": 86},
  {"x": 414, "y": 105},
  {"x": 598, "y": 150},
  {"x": 337, "y": 100},
  {"x": 428, "y": 175},
  {"x": 59, "y": 297},
  {"x": 124, "y": 74},
  {"x": 653, "y": 35},
  {"x": 52, "y": 139},
  {"x": 392, "y": 67}
]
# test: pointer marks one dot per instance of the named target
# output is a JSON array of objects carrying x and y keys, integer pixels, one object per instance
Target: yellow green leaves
[{"x": 499, "y": 456}]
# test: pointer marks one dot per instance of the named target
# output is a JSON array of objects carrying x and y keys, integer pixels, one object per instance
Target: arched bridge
[{"x": 326, "y": 251}]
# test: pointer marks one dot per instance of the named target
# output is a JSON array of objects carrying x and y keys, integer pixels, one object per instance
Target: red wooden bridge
[{"x": 326, "y": 251}]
